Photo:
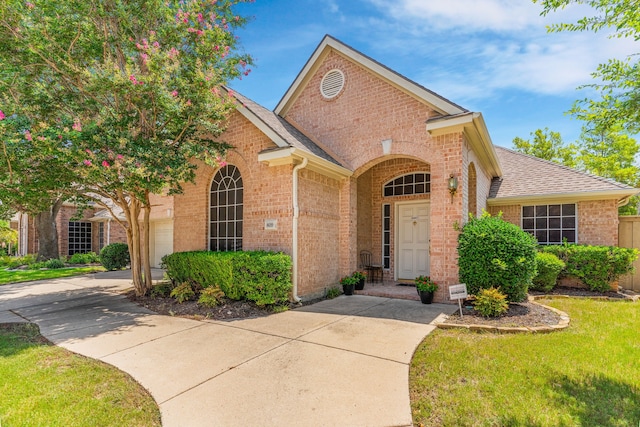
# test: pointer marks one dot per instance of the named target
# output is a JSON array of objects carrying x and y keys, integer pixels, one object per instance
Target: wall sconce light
[{"x": 453, "y": 185}]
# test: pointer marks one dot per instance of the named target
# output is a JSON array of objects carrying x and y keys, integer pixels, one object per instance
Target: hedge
[
  {"x": 596, "y": 266},
  {"x": 548, "y": 268},
  {"x": 258, "y": 276}
]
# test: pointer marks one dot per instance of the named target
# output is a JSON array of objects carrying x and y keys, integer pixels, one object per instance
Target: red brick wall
[{"x": 597, "y": 220}]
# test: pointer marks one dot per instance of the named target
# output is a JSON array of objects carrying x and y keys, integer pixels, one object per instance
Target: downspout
[{"x": 296, "y": 214}]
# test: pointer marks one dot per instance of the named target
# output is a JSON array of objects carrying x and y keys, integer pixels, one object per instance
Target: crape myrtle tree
[{"x": 131, "y": 91}]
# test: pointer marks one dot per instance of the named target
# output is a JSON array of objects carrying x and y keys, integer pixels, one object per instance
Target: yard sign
[{"x": 458, "y": 292}]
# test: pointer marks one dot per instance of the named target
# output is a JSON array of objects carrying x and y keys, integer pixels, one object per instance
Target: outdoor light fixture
[{"x": 453, "y": 186}]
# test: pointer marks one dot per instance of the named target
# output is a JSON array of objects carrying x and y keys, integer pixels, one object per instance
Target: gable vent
[{"x": 331, "y": 84}]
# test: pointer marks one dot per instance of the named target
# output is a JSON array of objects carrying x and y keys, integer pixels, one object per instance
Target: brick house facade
[{"x": 355, "y": 157}]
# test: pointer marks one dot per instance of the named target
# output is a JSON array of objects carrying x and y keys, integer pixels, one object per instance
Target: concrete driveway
[{"x": 336, "y": 363}]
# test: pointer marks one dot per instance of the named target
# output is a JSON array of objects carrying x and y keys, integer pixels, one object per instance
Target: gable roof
[
  {"x": 330, "y": 44},
  {"x": 529, "y": 179},
  {"x": 292, "y": 145}
]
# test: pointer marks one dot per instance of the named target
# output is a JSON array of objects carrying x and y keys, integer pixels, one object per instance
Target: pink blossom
[
  {"x": 119, "y": 157},
  {"x": 88, "y": 151},
  {"x": 188, "y": 102},
  {"x": 222, "y": 164},
  {"x": 28, "y": 136},
  {"x": 2, "y": 116},
  {"x": 200, "y": 32},
  {"x": 191, "y": 30},
  {"x": 30, "y": 5},
  {"x": 77, "y": 126},
  {"x": 173, "y": 52},
  {"x": 87, "y": 162},
  {"x": 231, "y": 93},
  {"x": 156, "y": 45},
  {"x": 133, "y": 79},
  {"x": 41, "y": 138},
  {"x": 200, "y": 18},
  {"x": 174, "y": 93},
  {"x": 105, "y": 164}
]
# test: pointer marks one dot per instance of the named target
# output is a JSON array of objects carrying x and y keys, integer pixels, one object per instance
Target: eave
[
  {"x": 473, "y": 127},
  {"x": 294, "y": 156},
  {"x": 622, "y": 196}
]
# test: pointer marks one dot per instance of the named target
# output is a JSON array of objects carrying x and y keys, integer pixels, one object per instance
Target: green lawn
[
  {"x": 45, "y": 385},
  {"x": 586, "y": 375},
  {"x": 15, "y": 276}
]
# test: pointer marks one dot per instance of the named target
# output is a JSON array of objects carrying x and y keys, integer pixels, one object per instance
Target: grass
[
  {"x": 46, "y": 385},
  {"x": 15, "y": 276},
  {"x": 586, "y": 375}
]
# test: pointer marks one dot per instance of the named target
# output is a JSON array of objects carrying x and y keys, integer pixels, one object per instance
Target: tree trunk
[
  {"x": 146, "y": 262},
  {"x": 48, "y": 232},
  {"x": 133, "y": 240}
]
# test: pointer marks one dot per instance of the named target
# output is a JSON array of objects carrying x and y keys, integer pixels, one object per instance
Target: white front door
[{"x": 412, "y": 222}]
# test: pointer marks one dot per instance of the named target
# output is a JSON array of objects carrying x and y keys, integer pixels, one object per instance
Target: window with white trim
[
  {"x": 386, "y": 236},
  {"x": 551, "y": 224},
  {"x": 226, "y": 210},
  {"x": 79, "y": 237},
  {"x": 405, "y": 185}
]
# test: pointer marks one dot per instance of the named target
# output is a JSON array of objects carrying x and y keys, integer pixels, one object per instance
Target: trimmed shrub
[
  {"x": 493, "y": 252},
  {"x": 258, "y": 276},
  {"x": 596, "y": 266},
  {"x": 491, "y": 303},
  {"x": 548, "y": 268},
  {"x": 333, "y": 292},
  {"x": 162, "y": 289},
  {"x": 115, "y": 256},
  {"x": 54, "y": 263}
]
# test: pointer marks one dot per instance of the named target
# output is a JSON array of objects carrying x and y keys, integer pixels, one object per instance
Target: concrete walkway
[{"x": 339, "y": 362}]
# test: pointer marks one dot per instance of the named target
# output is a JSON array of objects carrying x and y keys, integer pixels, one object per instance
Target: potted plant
[
  {"x": 360, "y": 277},
  {"x": 426, "y": 288},
  {"x": 348, "y": 284}
]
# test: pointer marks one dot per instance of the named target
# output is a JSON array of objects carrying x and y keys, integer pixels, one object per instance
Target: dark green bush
[
  {"x": 495, "y": 253},
  {"x": 261, "y": 277},
  {"x": 596, "y": 266},
  {"x": 115, "y": 256},
  {"x": 490, "y": 302},
  {"x": 162, "y": 289},
  {"x": 54, "y": 263},
  {"x": 88, "y": 258},
  {"x": 548, "y": 267}
]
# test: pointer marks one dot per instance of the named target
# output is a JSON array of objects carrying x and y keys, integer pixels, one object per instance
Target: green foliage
[
  {"x": 162, "y": 289},
  {"x": 333, "y": 293},
  {"x": 183, "y": 292},
  {"x": 88, "y": 258},
  {"x": 424, "y": 283},
  {"x": 491, "y": 302},
  {"x": 113, "y": 99},
  {"x": 115, "y": 256},
  {"x": 54, "y": 263},
  {"x": 359, "y": 275},
  {"x": 259, "y": 276},
  {"x": 547, "y": 145},
  {"x": 14, "y": 262},
  {"x": 211, "y": 296},
  {"x": 596, "y": 266},
  {"x": 348, "y": 281},
  {"x": 493, "y": 252},
  {"x": 548, "y": 268}
]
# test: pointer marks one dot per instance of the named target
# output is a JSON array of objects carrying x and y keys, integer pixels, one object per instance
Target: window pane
[
  {"x": 419, "y": 177},
  {"x": 528, "y": 211},
  {"x": 541, "y": 235},
  {"x": 387, "y": 210},
  {"x": 541, "y": 210},
  {"x": 397, "y": 191},
  {"x": 570, "y": 235},
  {"x": 408, "y": 189},
  {"x": 541, "y": 223},
  {"x": 569, "y": 222},
  {"x": 569, "y": 209},
  {"x": 420, "y": 189},
  {"x": 555, "y": 236},
  {"x": 527, "y": 223},
  {"x": 408, "y": 179},
  {"x": 554, "y": 222},
  {"x": 388, "y": 191},
  {"x": 554, "y": 210}
]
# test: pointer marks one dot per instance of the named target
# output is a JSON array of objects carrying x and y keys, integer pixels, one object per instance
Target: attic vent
[{"x": 332, "y": 83}]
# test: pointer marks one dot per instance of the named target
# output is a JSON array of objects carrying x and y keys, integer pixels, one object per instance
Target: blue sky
[{"x": 491, "y": 56}]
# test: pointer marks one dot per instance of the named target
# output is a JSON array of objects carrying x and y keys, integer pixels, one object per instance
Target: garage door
[{"x": 162, "y": 241}]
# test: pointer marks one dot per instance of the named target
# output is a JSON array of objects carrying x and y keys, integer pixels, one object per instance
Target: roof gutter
[
  {"x": 292, "y": 155},
  {"x": 622, "y": 196}
]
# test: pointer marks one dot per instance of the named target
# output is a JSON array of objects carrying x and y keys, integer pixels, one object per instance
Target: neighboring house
[
  {"x": 97, "y": 228},
  {"x": 357, "y": 157}
]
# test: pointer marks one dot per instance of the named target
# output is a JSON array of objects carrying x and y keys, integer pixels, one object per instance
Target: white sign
[
  {"x": 458, "y": 291},
  {"x": 270, "y": 224}
]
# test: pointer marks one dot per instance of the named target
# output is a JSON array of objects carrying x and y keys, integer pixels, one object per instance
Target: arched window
[
  {"x": 472, "y": 190},
  {"x": 405, "y": 185},
  {"x": 225, "y": 210}
]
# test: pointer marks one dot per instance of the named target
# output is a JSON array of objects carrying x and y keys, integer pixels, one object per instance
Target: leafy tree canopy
[
  {"x": 547, "y": 145},
  {"x": 122, "y": 93}
]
